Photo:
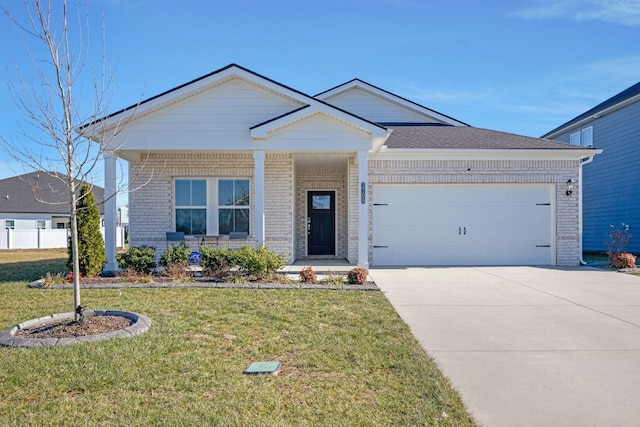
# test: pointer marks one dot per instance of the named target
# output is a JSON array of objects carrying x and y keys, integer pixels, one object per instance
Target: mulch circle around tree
[
  {"x": 63, "y": 329},
  {"x": 69, "y": 328}
]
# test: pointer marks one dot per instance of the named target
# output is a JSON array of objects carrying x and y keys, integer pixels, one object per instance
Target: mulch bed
[{"x": 70, "y": 328}]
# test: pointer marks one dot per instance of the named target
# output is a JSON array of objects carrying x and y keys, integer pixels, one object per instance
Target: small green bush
[
  {"x": 140, "y": 259},
  {"x": 307, "y": 275},
  {"x": 357, "y": 276},
  {"x": 217, "y": 261},
  {"x": 176, "y": 255},
  {"x": 259, "y": 261}
]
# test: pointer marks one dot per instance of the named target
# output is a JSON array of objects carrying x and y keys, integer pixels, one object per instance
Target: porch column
[
  {"x": 258, "y": 175},
  {"x": 363, "y": 209},
  {"x": 110, "y": 211}
]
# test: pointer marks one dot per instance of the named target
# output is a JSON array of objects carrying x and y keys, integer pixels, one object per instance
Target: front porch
[{"x": 283, "y": 188}]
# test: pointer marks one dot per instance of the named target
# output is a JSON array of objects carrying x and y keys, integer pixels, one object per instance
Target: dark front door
[{"x": 321, "y": 222}]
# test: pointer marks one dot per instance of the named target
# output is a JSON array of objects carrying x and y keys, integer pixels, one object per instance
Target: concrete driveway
[{"x": 528, "y": 346}]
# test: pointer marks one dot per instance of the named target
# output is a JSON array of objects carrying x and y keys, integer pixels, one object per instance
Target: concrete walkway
[{"x": 528, "y": 346}]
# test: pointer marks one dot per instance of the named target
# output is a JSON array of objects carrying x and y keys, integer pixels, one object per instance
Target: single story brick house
[{"x": 353, "y": 173}]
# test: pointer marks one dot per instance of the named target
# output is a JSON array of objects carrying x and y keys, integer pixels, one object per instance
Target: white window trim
[
  {"x": 575, "y": 136},
  {"x": 6, "y": 224},
  {"x": 582, "y": 141},
  {"x": 212, "y": 201},
  {"x": 44, "y": 224}
]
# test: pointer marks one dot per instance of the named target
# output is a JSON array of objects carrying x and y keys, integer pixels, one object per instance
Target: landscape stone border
[
  {"x": 139, "y": 324},
  {"x": 369, "y": 286}
]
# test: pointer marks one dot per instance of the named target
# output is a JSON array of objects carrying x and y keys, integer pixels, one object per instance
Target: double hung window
[
  {"x": 191, "y": 206},
  {"x": 212, "y": 206},
  {"x": 233, "y": 205}
]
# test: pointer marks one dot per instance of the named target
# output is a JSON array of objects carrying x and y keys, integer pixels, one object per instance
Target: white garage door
[{"x": 473, "y": 224}]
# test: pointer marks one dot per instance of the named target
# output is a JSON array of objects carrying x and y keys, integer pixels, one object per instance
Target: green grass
[{"x": 348, "y": 360}]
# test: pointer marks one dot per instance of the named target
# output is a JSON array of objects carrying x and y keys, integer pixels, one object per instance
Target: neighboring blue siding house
[{"x": 612, "y": 183}]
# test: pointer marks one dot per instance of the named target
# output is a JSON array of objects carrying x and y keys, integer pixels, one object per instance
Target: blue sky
[{"x": 523, "y": 67}]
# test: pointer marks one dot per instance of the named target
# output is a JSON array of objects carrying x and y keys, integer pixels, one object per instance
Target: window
[
  {"x": 233, "y": 205},
  {"x": 215, "y": 206},
  {"x": 583, "y": 138},
  {"x": 587, "y": 137},
  {"x": 10, "y": 223},
  {"x": 191, "y": 206},
  {"x": 574, "y": 139},
  {"x": 41, "y": 223}
]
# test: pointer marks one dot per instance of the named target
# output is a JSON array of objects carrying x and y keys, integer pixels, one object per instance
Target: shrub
[
  {"x": 260, "y": 261},
  {"x": 217, "y": 261},
  {"x": 91, "y": 253},
  {"x": 625, "y": 260},
  {"x": 178, "y": 271},
  {"x": 307, "y": 275},
  {"x": 619, "y": 238},
  {"x": 53, "y": 279},
  {"x": 357, "y": 276},
  {"x": 333, "y": 279},
  {"x": 140, "y": 259},
  {"x": 176, "y": 255}
]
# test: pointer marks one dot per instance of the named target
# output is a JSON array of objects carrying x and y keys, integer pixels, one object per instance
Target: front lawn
[{"x": 347, "y": 359}]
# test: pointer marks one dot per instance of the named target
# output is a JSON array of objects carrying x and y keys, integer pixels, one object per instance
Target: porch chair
[{"x": 174, "y": 236}]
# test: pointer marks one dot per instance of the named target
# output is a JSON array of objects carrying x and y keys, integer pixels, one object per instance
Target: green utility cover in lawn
[{"x": 259, "y": 368}]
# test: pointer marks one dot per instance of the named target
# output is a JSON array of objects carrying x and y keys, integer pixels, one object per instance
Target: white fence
[{"x": 44, "y": 238}]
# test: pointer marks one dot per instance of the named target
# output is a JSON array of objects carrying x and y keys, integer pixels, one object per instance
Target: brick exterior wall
[
  {"x": 151, "y": 206},
  {"x": 555, "y": 172},
  {"x": 278, "y": 203}
]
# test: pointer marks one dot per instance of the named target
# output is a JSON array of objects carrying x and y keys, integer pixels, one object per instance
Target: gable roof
[
  {"x": 261, "y": 130},
  {"x": 466, "y": 138},
  {"x": 626, "y": 97},
  {"x": 18, "y": 194},
  {"x": 230, "y": 71},
  {"x": 367, "y": 87}
]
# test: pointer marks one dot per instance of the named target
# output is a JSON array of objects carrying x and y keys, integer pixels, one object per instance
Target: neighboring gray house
[
  {"x": 355, "y": 173},
  {"x": 20, "y": 208},
  {"x": 611, "y": 188}
]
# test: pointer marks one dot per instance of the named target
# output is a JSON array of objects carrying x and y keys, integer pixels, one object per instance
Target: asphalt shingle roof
[
  {"x": 19, "y": 194},
  {"x": 466, "y": 138}
]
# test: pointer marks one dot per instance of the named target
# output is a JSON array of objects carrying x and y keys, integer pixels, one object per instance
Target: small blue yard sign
[{"x": 194, "y": 258}]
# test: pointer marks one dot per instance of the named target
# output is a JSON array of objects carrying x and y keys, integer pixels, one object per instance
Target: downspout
[{"x": 583, "y": 162}]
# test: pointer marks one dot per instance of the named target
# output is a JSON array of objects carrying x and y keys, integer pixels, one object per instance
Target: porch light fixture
[{"x": 570, "y": 183}]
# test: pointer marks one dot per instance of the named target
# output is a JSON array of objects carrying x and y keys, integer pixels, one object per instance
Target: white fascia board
[
  {"x": 262, "y": 131},
  {"x": 391, "y": 97},
  {"x": 487, "y": 154}
]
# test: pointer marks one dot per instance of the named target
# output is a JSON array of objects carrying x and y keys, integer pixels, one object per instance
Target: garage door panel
[
  {"x": 474, "y": 224},
  {"x": 414, "y": 255}
]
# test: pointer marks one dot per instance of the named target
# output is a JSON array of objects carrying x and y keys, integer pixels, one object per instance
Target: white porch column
[
  {"x": 363, "y": 209},
  {"x": 258, "y": 176},
  {"x": 110, "y": 211}
]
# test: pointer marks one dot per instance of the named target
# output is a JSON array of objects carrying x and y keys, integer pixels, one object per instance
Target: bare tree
[{"x": 54, "y": 104}]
